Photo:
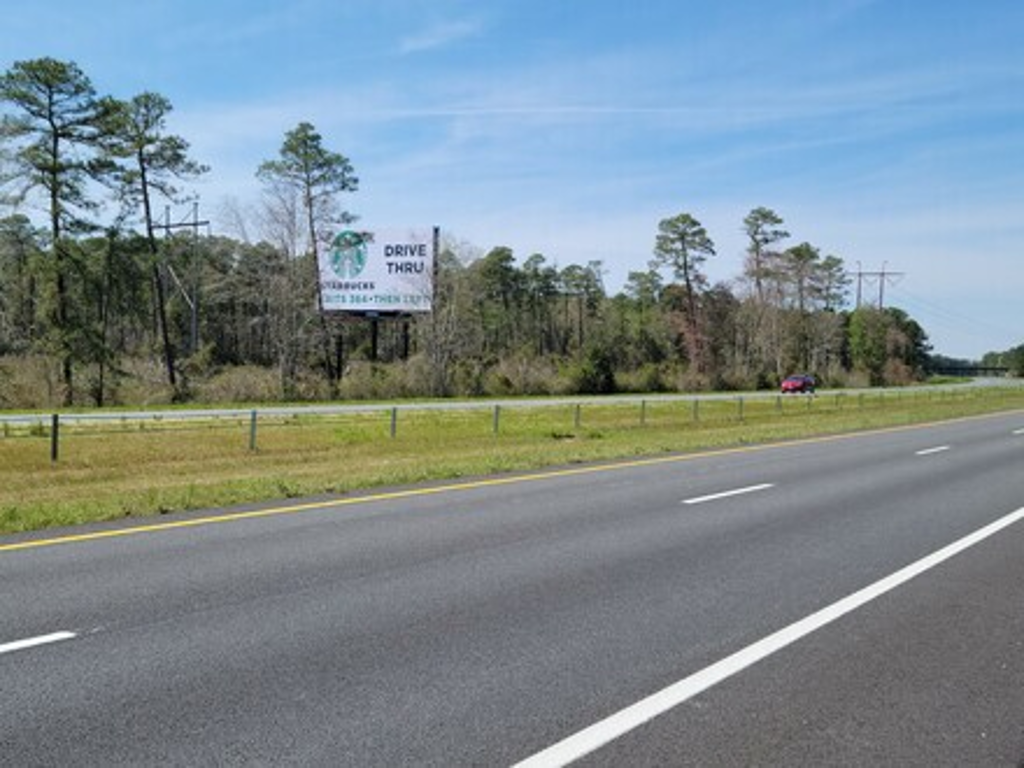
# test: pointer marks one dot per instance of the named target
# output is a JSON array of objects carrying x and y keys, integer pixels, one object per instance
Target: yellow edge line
[{"x": 232, "y": 517}]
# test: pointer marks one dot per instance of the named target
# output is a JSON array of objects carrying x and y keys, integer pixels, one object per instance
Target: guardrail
[
  {"x": 50, "y": 424},
  {"x": 212, "y": 414}
]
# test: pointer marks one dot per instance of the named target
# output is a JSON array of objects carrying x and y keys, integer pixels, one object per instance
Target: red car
[{"x": 793, "y": 384}]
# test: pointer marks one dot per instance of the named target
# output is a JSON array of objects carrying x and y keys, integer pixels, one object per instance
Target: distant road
[
  {"x": 746, "y": 606},
  {"x": 192, "y": 414}
]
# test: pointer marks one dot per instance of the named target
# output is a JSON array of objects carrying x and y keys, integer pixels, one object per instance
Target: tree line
[{"x": 92, "y": 283}]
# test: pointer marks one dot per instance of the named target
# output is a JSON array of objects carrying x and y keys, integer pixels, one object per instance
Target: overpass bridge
[{"x": 970, "y": 370}]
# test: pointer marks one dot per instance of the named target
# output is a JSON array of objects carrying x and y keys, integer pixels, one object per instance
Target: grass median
[{"x": 110, "y": 470}]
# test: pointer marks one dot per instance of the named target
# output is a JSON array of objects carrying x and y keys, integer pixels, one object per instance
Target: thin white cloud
[
  {"x": 439, "y": 36},
  {"x": 867, "y": 149}
]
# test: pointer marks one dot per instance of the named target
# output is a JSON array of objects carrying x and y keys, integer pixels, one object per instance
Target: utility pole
[
  {"x": 193, "y": 299},
  {"x": 882, "y": 277}
]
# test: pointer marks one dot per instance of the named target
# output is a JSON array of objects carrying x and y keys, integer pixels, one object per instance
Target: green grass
[{"x": 110, "y": 470}]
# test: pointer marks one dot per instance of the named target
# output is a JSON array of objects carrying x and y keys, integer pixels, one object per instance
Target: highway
[{"x": 839, "y": 601}]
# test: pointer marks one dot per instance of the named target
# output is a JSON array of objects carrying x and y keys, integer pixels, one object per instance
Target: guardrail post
[
  {"x": 696, "y": 410},
  {"x": 252, "y": 430},
  {"x": 577, "y": 416},
  {"x": 394, "y": 423},
  {"x": 54, "y": 438},
  {"x": 497, "y": 418},
  {"x": 739, "y": 407},
  {"x": 643, "y": 412}
]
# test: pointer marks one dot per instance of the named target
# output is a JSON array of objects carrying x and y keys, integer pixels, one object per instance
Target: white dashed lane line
[
  {"x": 729, "y": 494},
  {"x": 33, "y": 642},
  {"x": 930, "y": 451}
]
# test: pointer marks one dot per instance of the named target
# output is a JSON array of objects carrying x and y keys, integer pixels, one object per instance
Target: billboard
[{"x": 378, "y": 272}]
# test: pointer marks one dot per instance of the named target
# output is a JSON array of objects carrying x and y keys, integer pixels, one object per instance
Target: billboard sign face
[{"x": 378, "y": 272}]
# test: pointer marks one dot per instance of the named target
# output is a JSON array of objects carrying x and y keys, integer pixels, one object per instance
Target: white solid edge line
[
  {"x": 930, "y": 451},
  {"x": 1018, "y": 431},
  {"x": 32, "y": 642},
  {"x": 601, "y": 733},
  {"x": 727, "y": 494}
]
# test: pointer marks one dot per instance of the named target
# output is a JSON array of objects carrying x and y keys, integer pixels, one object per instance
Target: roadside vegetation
[
  {"x": 112, "y": 470},
  {"x": 116, "y": 293},
  {"x": 109, "y": 300}
]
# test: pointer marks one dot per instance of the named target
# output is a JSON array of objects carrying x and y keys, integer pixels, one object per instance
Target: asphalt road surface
[{"x": 848, "y": 601}]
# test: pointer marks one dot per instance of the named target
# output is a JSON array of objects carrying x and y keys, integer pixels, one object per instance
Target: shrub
[
  {"x": 650, "y": 377},
  {"x": 522, "y": 375},
  {"x": 468, "y": 377},
  {"x": 30, "y": 381},
  {"x": 594, "y": 374},
  {"x": 243, "y": 384},
  {"x": 377, "y": 381},
  {"x": 140, "y": 382},
  {"x": 690, "y": 380},
  {"x": 898, "y": 374}
]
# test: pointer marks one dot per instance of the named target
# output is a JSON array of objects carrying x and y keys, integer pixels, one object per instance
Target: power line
[{"x": 949, "y": 317}]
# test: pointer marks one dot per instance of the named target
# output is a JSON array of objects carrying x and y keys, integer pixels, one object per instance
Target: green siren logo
[{"x": 348, "y": 253}]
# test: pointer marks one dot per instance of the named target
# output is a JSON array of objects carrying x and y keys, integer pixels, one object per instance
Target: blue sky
[{"x": 887, "y": 132}]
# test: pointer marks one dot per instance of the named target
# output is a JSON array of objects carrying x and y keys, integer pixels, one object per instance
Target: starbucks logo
[{"x": 348, "y": 254}]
